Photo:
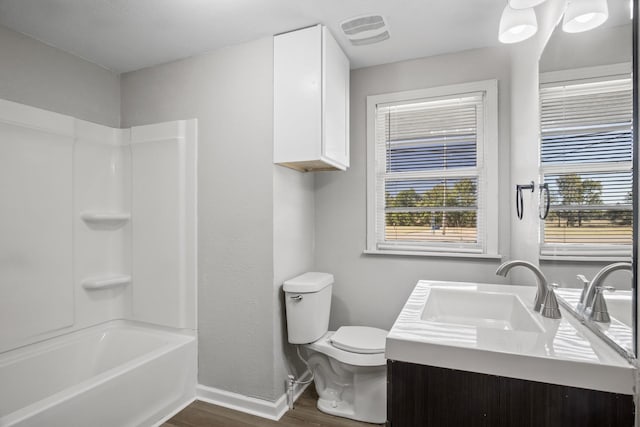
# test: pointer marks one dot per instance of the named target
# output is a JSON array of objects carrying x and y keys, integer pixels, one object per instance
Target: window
[
  {"x": 586, "y": 160},
  {"x": 432, "y": 160}
]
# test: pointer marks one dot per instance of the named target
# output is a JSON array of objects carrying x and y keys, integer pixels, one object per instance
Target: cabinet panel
[
  {"x": 421, "y": 395},
  {"x": 439, "y": 397},
  {"x": 297, "y": 96},
  {"x": 311, "y": 101},
  {"x": 336, "y": 102}
]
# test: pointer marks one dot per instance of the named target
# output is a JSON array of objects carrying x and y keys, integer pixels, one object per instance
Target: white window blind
[
  {"x": 586, "y": 160},
  {"x": 428, "y": 174}
]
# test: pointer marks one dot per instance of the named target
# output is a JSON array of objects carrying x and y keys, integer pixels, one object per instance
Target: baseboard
[{"x": 250, "y": 405}]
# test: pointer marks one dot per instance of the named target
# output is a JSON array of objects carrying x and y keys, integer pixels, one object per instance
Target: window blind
[
  {"x": 428, "y": 174},
  {"x": 586, "y": 159}
]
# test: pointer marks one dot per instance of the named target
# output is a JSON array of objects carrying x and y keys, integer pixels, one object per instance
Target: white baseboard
[{"x": 250, "y": 405}]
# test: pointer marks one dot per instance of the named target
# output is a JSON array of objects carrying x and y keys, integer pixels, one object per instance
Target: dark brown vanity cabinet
[{"x": 419, "y": 395}]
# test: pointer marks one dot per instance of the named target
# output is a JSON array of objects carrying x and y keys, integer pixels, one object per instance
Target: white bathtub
[{"x": 112, "y": 375}]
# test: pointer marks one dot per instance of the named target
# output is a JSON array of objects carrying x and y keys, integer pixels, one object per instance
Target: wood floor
[{"x": 305, "y": 413}]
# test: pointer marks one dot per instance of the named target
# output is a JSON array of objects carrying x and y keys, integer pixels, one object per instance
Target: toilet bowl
[
  {"x": 348, "y": 364},
  {"x": 350, "y": 384}
]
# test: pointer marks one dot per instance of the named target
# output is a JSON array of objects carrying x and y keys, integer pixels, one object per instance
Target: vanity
[{"x": 469, "y": 354}]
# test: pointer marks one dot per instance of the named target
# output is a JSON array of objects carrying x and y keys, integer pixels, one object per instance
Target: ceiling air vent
[{"x": 364, "y": 30}]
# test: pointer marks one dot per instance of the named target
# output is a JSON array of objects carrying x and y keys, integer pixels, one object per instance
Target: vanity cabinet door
[
  {"x": 419, "y": 395},
  {"x": 533, "y": 404}
]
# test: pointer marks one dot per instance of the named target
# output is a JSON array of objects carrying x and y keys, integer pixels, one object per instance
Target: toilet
[{"x": 349, "y": 367}]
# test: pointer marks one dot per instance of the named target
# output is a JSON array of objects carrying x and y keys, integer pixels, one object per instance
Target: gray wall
[
  {"x": 242, "y": 199},
  {"x": 600, "y": 46},
  {"x": 293, "y": 253},
  {"x": 35, "y": 74},
  {"x": 371, "y": 289}
]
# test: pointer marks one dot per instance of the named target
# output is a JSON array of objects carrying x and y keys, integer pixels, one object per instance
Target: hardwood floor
[{"x": 305, "y": 413}]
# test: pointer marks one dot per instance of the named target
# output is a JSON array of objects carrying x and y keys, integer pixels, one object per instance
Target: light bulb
[
  {"x": 517, "y": 25},
  {"x": 584, "y": 15},
  {"x": 583, "y": 19}
]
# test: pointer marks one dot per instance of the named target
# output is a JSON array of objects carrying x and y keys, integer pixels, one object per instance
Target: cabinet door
[
  {"x": 336, "y": 101},
  {"x": 419, "y": 395},
  {"x": 297, "y": 95},
  {"x": 426, "y": 396}
]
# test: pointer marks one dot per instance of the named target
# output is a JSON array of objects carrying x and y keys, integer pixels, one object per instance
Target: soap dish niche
[{"x": 105, "y": 220}]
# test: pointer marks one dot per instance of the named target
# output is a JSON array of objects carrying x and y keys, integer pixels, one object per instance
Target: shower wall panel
[
  {"x": 101, "y": 169},
  {"x": 96, "y": 224},
  {"x": 36, "y": 252},
  {"x": 163, "y": 218}
]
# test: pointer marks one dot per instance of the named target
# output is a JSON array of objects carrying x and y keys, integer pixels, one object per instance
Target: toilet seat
[
  {"x": 360, "y": 339},
  {"x": 325, "y": 346}
]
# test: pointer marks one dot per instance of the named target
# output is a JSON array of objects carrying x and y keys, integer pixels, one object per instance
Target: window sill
[
  {"x": 584, "y": 258},
  {"x": 433, "y": 254}
]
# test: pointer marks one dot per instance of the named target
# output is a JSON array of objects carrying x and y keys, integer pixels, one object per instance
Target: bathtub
[{"x": 112, "y": 375}]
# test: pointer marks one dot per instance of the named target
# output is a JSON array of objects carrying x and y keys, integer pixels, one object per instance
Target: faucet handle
[
  {"x": 599, "y": 312},
  {"x": 585, "y": 286},
  {"x": 550, "y": 307}
]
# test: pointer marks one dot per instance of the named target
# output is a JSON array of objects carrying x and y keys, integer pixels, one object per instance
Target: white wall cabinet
[{"x": 311, "y": 101}]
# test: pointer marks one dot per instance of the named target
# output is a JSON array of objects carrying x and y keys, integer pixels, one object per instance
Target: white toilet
[{"x": 349, "y": 367}]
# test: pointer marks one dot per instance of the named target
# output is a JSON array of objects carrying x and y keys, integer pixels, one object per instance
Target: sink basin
[{"x": 481, "y": 309}]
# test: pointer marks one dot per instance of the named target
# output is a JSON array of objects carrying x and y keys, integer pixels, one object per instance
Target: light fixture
[
  {"x": 584, "y": 15},
  {"x": 524, "y": 4},
  {"x": 517, "y": 25}
]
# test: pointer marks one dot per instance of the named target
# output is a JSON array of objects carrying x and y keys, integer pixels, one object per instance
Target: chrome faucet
[
  {"x": 587, "y": 299},
  {"x": 542, "y": 280}
]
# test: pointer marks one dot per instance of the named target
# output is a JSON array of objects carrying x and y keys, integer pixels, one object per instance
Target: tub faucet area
[{"x": 505, "y": 267}]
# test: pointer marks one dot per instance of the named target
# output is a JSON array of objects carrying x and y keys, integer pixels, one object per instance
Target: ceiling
[{"x": 126, "y": 35}]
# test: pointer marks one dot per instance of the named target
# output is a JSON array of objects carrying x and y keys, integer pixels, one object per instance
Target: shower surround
[{"x": 97, "y": 260}]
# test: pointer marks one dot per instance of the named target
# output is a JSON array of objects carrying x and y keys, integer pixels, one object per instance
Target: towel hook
[
  {"x": 545, "y": 188},
  {"x": 520, "y": 198}
]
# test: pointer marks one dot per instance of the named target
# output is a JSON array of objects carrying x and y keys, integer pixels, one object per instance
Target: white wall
[
  {"x": 230, "y": 92},
  {"x": 371, "y": 289},
  {"x": 35, "y": 74}
]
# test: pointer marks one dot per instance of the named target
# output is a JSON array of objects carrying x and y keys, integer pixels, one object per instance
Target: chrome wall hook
[
  {"x": 520, "y": 198},
  {"x": 544, "y": 188}
]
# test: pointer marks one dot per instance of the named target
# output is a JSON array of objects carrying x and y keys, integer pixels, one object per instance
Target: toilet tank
[{"x": 308, "y": 302}]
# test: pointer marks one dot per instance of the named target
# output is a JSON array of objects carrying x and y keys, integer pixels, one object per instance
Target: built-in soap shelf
[
  {"x": 108, "y": 220},
  {"x": 106, "y": 282}
]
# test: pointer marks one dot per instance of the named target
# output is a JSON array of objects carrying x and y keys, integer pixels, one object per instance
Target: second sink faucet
[
  {"x": 586, "y": 300},
  {"x": 542, "y": 280}
]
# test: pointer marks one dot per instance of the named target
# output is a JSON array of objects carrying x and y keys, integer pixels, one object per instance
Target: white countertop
[{"x": 564, "y": 352}]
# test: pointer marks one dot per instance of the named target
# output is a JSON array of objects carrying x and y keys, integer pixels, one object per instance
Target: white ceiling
[{"x": 126, "y": 35}]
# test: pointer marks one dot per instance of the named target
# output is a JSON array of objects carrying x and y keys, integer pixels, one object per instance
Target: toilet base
[
  {"x": 349, "y": 391},
  {"x": 337, "y": 408}
]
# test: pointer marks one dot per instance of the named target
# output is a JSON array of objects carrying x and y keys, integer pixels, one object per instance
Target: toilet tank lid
[{"x": 308, "y": 282}]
